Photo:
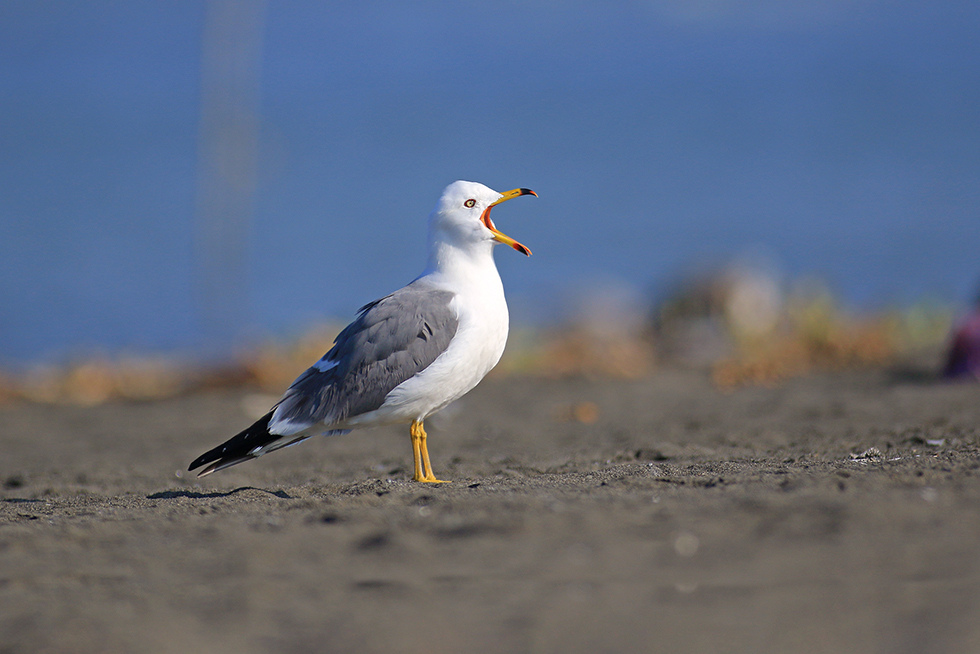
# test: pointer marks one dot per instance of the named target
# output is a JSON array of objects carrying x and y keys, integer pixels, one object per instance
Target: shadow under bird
[{"x": 407, "y": 355}]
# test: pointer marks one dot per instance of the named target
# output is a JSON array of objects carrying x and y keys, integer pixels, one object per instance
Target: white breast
[{"x": 475, "y": 349}]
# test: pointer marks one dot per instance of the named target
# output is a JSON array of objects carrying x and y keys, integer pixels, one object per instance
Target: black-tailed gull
[{"x": 408, "y": 354}]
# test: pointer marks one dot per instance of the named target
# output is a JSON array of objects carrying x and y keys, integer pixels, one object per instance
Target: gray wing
[{"x": 390, "y": 341}]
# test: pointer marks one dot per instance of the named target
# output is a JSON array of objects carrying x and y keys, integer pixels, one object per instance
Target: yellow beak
[{"x": 497, "y": 234}]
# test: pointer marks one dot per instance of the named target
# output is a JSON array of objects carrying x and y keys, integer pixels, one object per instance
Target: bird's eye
[{"x": 470, "y": 203}]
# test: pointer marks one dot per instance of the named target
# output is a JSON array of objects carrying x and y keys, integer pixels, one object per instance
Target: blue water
[{"x": 841, "y": 141}]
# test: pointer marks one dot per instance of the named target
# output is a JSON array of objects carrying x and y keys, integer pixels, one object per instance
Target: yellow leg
[
  {"x": 423, "y": 468},
  {"x": 417, "y": 449}
]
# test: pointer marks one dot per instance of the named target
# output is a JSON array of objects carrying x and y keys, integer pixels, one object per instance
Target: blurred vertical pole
[{"x": 228, "y": 146}]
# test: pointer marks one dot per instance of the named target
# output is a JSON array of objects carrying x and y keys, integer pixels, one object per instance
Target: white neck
[{"x": 450, "y": 259}]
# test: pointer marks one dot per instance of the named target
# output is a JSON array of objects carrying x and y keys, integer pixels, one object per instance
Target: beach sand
[{"x": 833, "y": 512}]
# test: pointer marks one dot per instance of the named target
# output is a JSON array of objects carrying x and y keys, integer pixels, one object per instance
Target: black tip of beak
[{"x": 527, "y": 191}]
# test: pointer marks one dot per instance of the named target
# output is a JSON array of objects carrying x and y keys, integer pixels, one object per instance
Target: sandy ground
[{"x": 833, "y": 513}]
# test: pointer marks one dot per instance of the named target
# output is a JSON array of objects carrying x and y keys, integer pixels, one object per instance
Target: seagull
[{"x": 407, "y": 355}]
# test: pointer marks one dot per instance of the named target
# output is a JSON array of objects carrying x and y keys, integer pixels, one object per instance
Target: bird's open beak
[{"x": 497, "y": 234}]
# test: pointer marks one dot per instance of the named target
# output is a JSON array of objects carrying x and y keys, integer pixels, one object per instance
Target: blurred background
[{"x": 194, "y": 178}]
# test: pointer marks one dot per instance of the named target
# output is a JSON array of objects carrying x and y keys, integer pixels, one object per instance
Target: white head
[{"x": 461, "y": 218}]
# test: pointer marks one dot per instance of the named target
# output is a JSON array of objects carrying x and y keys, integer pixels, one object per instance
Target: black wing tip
[
  {"x": 217, "y": 460},
  {"x": 235, "y": 450},
  {"x": 201, "y": 460},
  {"x": 221, "y": 464}
]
